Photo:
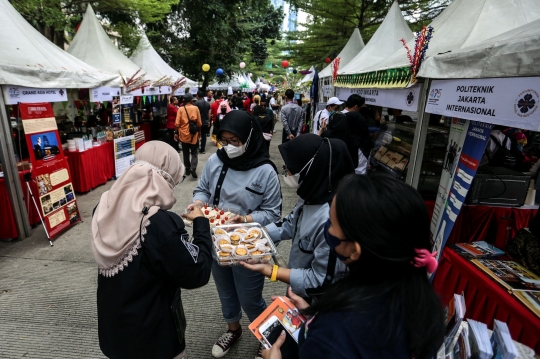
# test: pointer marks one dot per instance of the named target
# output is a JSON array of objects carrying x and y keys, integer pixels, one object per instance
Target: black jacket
[{"x": 134, "y": 307}]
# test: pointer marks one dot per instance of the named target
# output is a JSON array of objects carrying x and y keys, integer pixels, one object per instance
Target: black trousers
[
  {"x": 194, "y": 149},
  {"x": 172, "y": 142},
  {"x": 204, "y": 131}
]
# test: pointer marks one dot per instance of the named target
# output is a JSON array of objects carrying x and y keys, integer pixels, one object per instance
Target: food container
[{"x": 259, "y": 250}]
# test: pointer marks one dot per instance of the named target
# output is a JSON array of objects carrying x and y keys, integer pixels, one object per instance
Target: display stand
[{"x": 28, "y": 179}]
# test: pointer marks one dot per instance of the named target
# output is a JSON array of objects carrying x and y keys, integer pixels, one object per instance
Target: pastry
[
  {"x": 241, "y": 251},
  {"x": 250, "y": 246},
  {"x": 222, "y": 242},
  {"x": 249, "y": 237},
  {"x": 228, "y": 248},
  {"x": 256, "y": 253},
  {"x": 220, "y": 231},
  {"x": 255, "y": 233},
  {"x": 241, "y": 230},
  {"x": 224, "y": 254},
  {"x": 235, "y": 238}
]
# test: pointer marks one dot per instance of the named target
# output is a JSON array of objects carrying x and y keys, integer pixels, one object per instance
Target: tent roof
[
  {"x": 467, "y": 22},
  {"x": 92, "y": 45},
  {"x": 308, "y": 77},
  {"x": 351, "y": 49},
  {"x": 234, "y": 82},
  {"x": 511, "y": 54},
  {"x": 147, "y": 58},
  {"x": 384, "y": 42},
  {"x": 31, "y": 60}
]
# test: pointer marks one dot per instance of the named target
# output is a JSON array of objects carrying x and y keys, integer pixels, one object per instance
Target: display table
[
  {"x": 495, "y": 225},
  {"x": 139, "y": 144},
  {"x": 91, "y": 168},
  {"x": 147, "y": 128},
  {"x": 8, "y": 228},
  {"x": 485, "y": 299}
]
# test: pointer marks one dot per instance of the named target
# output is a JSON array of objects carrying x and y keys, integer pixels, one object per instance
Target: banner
[
  {"x": 151, "y": 90},
  {"x": 49, "y": 168},
  {"x": 15, "y": 94},
  {"x": 466, "y": 145},
  {"x": 126, "y": 106},
  {"x": 180, "y": 92},
  {"x": 116, "y": 112},
  {"x": 124, "y": 153},
  {"x": 509, "y": 102},
  {"x": 402, "y": 99},
  {"x": 100, "y": 94}
]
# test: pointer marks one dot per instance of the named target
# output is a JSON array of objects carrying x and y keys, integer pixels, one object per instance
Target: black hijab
[
  {"x": 241, "y": 123},
  {"x": 319, "y": 183},
  {"x": 352, "y": 129}
]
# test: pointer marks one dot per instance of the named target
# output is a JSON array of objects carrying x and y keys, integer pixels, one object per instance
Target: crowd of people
[{"x": 360, "y": 253}]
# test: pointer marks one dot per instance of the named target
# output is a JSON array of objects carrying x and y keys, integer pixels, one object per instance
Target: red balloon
[
  {"x": 285, "y": 64},
  {"x": 328, "y": 60}
]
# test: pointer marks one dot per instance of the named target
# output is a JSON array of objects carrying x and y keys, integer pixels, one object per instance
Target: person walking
[
  {"x": 206, "y": 114},
  {"x": 292, "y": 117},
  {"x": 189, "y": 123},
  {"x": 209, "y": 96},
  {"x": 267, "y": 124},
  {"x": 320, "y": 120},
  {"x": 241, "y": 178},
  {"x": 144, "y": 257},
  {"x": 172, "y": 110}
]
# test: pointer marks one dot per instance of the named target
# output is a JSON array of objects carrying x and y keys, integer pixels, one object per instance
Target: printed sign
[
  {"x": 500, "y": 101},
  {"x": 124, "y": 153},
  {"x": 151, "y": 90},
  {"x": 101, "y": 94},
  {"x": 49, "y": 168},
  {"x": 180, "y": 92},
  {"x": 116, "y": 118},
  {"x": 15, "y": 94},
  {"x": 402, "y": 99},
  {"x": 466, "y": 145}
]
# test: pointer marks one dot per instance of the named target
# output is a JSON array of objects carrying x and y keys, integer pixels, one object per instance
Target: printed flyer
[{"x": 57, "y": 201}]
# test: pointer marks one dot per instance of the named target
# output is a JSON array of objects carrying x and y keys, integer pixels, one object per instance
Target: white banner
[
  {"x": 16, "y": 94},
  {"x": 126, "y": 99},
  {"x": 180, "y": 92},
  {"x": 402, "y": 99},
  {"x": 100, "y": 94},
  {"x": 151, "y": 90},
  {"x": 193, "y": 90},
  {"x": 501, "y": 101},
  {"x": 327, "y": 90},
  {"x": 124, "y": 153}
]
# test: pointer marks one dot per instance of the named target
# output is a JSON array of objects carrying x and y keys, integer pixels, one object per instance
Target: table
[
  {"x": 495, "y": 225},
  {"x": 139, "y": 144},
  {"x": 91, "y": 168},
  {"x": 147, "y": 128},
  {"x": 8, "y": 229},
  {"x": 485, "y": 299}
]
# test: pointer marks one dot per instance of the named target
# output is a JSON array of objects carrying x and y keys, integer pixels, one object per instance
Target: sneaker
[
  {"x": 259, "y": 352},
  {"x": 202, "y": 152},
  {"x": 194, "y": 174},
  {"x": 226, "y": 342}
]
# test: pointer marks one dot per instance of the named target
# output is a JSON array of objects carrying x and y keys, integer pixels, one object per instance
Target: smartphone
[{"x": 271, "y": 330}]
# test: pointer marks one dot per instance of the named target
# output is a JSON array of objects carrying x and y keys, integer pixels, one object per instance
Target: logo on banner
[
  {"x": 526, "y": 103},
  {"x": 14, "y": 92},
  {"x": 410, "y": 98},
  {"x": 434, "y": 96}
]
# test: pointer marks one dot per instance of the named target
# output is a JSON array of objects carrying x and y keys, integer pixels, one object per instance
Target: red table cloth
[
  {"x": 139, "y": 144},
  {"x": 485, "y": 299},
  {"x": 495, "y": 225},
  {"x": 8, "y": 229},
  {"x": 91, "y": 168},
  {"x": 147, "y": 128}
]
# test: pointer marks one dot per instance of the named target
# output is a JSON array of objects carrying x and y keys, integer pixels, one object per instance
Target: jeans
[
  {"x": 204, "y": 131},
  {"x": 194, "y": 149},
  {"x": 239, "y": 288}
]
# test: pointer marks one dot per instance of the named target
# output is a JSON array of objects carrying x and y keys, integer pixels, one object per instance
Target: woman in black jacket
[
  {"x": 145, "y": 256},
  {"x": 267, "y": 124}
]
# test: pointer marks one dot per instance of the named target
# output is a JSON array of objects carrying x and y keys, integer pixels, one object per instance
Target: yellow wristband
[{"x": 273, "y": 277}]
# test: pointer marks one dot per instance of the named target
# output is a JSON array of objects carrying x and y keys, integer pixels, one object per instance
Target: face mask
[
  {"x": 224, "y": 111},
  {"x": 234, "y": 151},
  {"x": 294, "y": 180},
  {"x": 333, "y": 242}
]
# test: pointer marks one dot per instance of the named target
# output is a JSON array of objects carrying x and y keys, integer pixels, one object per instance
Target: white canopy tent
[
  {"x": 92, "y": 45},
  {"x": 351, "y": 49},
  {"x": 384, "y": 43},
  {"x": 234, "y": 83},
  {"x": 308, "y": 77},
  {"x": 147, "y": 58},
  {"x": 31, "y": 60}
]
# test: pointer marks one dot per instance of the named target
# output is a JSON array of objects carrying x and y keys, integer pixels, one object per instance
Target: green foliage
[{"x": 333, "y": 22}]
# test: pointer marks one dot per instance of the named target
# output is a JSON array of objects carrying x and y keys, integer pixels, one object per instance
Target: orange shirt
[{"x": 183, "y": 125}]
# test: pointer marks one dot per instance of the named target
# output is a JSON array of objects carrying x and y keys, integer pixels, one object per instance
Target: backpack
[
  {"x": 502, "y": 157},
  {"x": 193, "y": 128}
]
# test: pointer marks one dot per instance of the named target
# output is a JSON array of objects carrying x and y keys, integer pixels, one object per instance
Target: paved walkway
[{"x": 48, "y": 294}]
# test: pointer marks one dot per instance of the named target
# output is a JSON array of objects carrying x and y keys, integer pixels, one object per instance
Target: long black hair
[{"x": 389, "y": 220}]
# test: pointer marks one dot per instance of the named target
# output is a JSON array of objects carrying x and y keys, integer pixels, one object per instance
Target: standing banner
[
  {"x": 49, "y": 168},
  {"x": 124, "y": 153},
  {"x": 466, "y": 146}
]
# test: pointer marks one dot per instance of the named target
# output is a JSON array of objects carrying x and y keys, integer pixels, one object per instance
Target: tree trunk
[{"x": 206, "y": 79}]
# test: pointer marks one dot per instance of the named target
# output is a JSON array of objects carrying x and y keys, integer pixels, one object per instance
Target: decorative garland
[
  {"x": 335, "y": 68},
  {"x": 421, "y": 45}
]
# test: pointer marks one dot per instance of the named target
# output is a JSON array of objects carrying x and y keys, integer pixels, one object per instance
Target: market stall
[{"x": 92, "y": 167}]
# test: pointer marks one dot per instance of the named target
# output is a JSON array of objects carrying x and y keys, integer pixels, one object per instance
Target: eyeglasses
[{"x": 234, "y": 142}]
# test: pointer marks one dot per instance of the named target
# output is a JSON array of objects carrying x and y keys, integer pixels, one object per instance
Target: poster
[
  {"x": 56, "y": 198},
  {"x": 509, "y": 102},
  {"x": 15, "y": 94},
  {"x": 126, "y": 109},
  {"x": 116, "y": 115},
  {"x": 124, "y": 153},
  {"x": 402, "y": 99},
  {"x": 466, "y": 144}
]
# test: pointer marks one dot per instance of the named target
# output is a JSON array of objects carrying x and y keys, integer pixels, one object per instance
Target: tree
[{"x": 333, "y": 21}]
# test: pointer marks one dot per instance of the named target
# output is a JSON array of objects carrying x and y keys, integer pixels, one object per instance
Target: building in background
[{"x": 292, "y": 18}]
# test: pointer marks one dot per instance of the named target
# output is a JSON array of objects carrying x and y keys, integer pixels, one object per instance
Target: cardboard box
[
  {"x": 387, "y": 157},
  {"x": 394, "y": 160},
  {"x": 24, "y": 166},
  {"x": 380, "y": 153}
]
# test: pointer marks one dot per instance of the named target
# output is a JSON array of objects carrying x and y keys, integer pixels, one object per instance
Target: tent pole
[
  {"x": 11, "y": 174},
  {"x": 419, "y": 142}
]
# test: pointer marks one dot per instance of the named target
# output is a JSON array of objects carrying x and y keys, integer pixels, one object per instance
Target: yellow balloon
[{"x": 206, "y": 67}]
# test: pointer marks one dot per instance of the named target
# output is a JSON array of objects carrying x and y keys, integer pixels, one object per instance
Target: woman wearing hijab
[
  {"x": 224, "y": 109},
  {"x": 267, "y": 124},
  {"x": 352, "y": 129},
  {"x": 314, "y": 166},
  {"x": 144, "y": 258},
  {"x": 239, "y": 177}
]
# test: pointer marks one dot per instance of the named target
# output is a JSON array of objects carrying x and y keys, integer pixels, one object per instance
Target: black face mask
[{"x": 224, "y": 111}]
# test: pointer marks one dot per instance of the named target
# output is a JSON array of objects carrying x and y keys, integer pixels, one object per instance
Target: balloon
[
  {"x": 328, "y": 60},
  {"x": 285, "y": 64},
  {"x": 219, "y": 72},
  {"x": 294, "y": 71},
  {"x": 250, "y": 74},
  {"x": 242, "y": 65},
  {"x": 271, "y": 75},
  {"x": 206, "y": 67}
]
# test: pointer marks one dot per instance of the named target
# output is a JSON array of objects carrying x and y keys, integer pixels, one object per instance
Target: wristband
[
  {"x": 245, "y": 219},
  {"x": 273, "y": 277}
]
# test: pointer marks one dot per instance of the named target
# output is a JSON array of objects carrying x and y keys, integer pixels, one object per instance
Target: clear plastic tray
[{"x": 233, "y": 259}]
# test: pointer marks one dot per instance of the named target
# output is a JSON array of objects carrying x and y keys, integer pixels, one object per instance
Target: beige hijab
[{"x": 117, "y": 220}]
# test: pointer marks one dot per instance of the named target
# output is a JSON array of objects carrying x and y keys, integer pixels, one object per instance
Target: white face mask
[
  {"x": 294, "y": 180},
  {"x": 237, "y": 151}
]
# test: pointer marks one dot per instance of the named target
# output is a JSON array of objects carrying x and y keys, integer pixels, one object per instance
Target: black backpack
[
  {"x": 502, "y": 157},
  {"x": 193, "y": 128}
]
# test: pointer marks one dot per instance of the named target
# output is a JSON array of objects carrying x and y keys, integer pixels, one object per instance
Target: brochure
[
  {"x": 502, "y": 343},
  {"x": 479, "y": 339},
  {"x": 511, "y": 275},
  {"x": 481, "y": 249},
  {"x": 455, "y": 313}
]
